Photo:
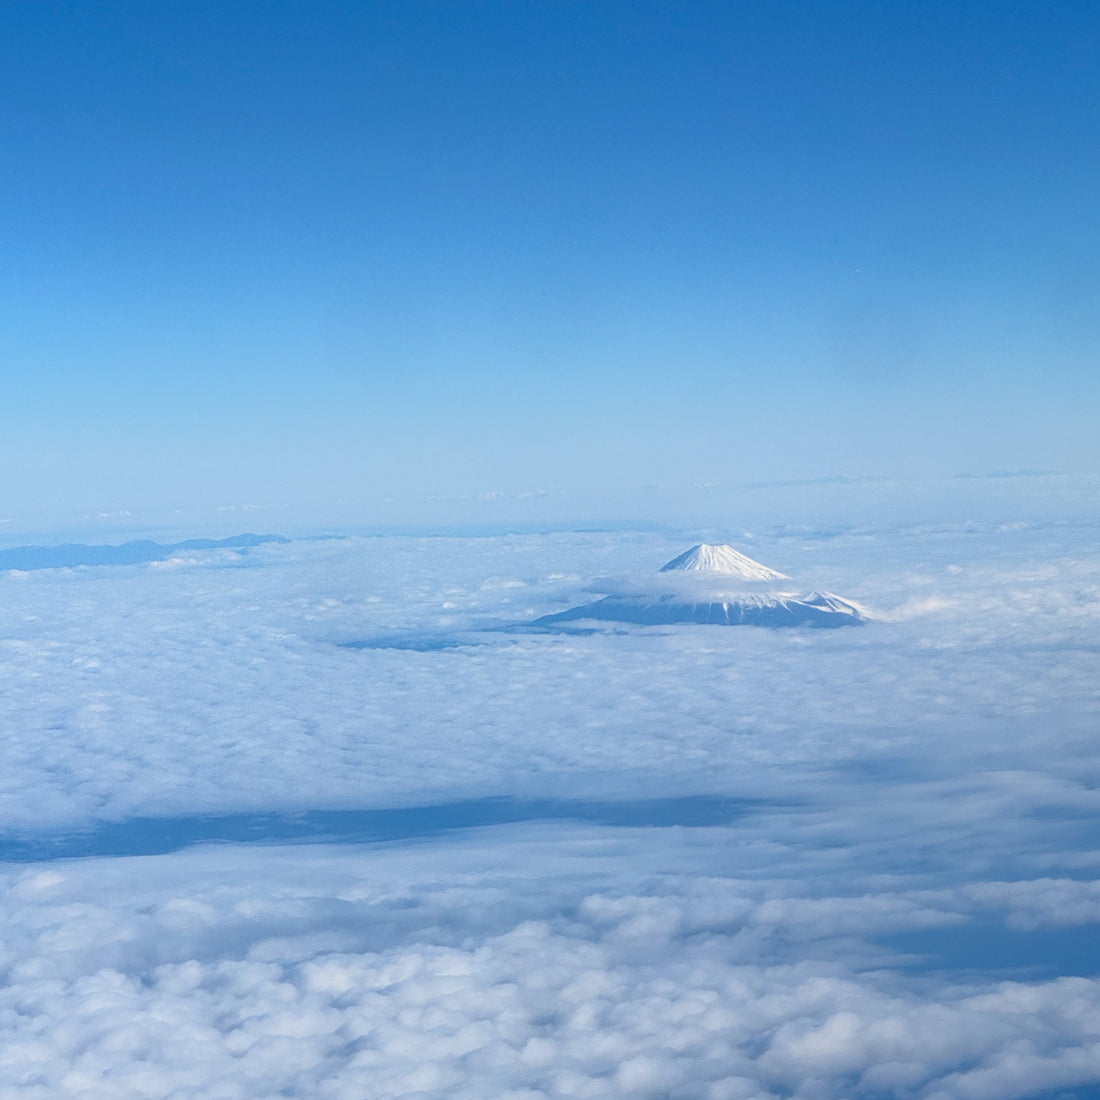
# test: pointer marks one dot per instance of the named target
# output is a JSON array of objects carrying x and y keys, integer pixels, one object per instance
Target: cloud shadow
[{"x": 158, "y": 836}]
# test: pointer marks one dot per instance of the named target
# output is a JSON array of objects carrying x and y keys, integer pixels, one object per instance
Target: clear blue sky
[{"x": 306, "y": 252}]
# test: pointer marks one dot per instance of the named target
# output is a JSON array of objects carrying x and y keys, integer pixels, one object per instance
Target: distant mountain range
[
  {"x": 716, "y": 585},
  {"x": 73, "y": 554}
]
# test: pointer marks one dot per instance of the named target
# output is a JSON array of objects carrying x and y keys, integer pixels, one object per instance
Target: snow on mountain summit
[{"x": 708, "y": 558}]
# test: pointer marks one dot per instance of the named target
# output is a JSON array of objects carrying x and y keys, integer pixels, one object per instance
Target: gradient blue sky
[{"x": 303, "y": 253}]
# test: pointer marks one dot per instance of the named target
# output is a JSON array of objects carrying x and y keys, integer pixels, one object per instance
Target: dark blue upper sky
[{"x": 282, "y": 252}]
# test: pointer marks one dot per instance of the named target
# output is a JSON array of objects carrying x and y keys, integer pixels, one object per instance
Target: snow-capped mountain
[
  {"x": 706, "y": 558},
  {"x": 715, "y": 585}
]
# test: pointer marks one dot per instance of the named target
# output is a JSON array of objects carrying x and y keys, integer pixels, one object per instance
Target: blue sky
[{"x": 295, "y": 254}]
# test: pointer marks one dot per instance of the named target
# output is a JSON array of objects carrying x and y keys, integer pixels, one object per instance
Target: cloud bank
[
  {"x": 899, "y": 901},
  {"x": 187, "y": 687},
  {"x": 539, "y": 961}
]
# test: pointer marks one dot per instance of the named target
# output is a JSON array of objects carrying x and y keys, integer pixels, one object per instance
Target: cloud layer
[
  {"x": 539, "y": 961},
  {"x": 198, "y": 686},
  {"x": 900, "y": 901}
]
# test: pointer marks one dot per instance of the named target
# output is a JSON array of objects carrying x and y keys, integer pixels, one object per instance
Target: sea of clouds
[{"x": 856, "y": 863}]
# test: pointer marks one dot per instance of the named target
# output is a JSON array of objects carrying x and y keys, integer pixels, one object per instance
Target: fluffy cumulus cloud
[
  {"x": 892, "y": 892},
  {"x": 544, "y": 961}
]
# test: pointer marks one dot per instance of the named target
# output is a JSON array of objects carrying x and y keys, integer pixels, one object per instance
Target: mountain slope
[{"x": 819, "y": 609}]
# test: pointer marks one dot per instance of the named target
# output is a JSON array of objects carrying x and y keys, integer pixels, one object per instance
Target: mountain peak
[{"x": 707, "y": 558}]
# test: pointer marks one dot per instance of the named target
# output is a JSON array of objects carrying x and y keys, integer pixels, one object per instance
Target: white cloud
[
  {"x": 931, "y": 776},
  {"x": 220, "y": 689},
  {"x": 548, "y": 960}
]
